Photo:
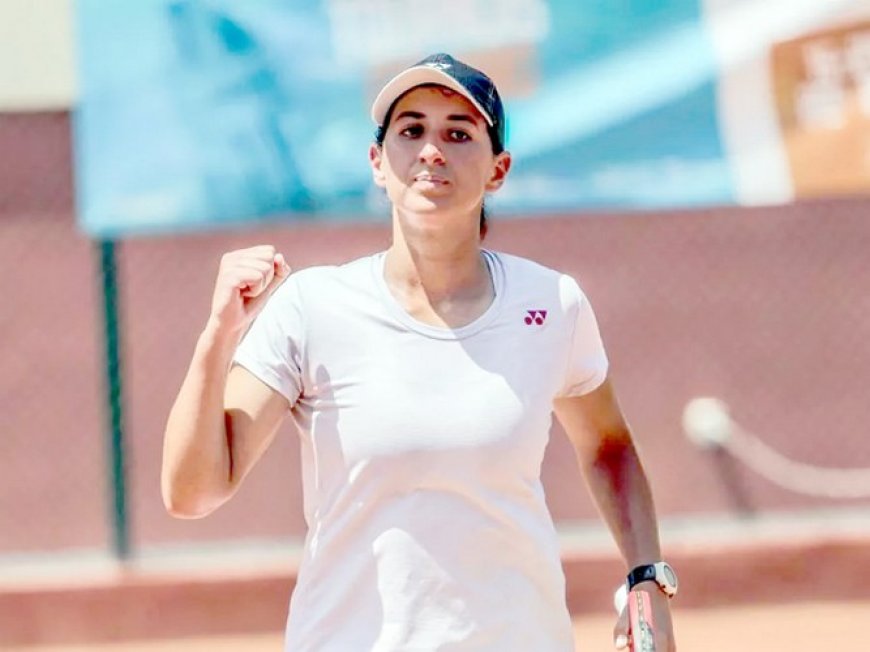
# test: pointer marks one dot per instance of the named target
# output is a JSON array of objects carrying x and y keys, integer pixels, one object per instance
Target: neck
[{"x": 437, "y": 268}]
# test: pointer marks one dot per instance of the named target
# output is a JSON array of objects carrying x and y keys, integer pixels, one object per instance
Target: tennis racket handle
[{"x": 641, "y": 627}]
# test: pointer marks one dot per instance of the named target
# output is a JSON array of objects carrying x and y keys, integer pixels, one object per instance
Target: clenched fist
[{"x": 246, "y": 278}]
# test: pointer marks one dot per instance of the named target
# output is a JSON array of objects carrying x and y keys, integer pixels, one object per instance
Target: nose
[{"x": 430, "y": 154}]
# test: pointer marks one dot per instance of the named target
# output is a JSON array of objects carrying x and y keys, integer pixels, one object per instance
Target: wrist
[
  {"x": 220, "y": 325},
  {"x": 659, "y": 574},
  {"x": 218, "y": 336}
]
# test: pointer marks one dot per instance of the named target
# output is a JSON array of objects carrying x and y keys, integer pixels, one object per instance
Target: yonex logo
[
  {"x": 439, "y": 65},
  {"x": 535, "y": 317}
]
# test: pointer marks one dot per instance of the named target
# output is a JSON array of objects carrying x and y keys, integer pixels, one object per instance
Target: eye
[
  {"x": 459, "y": 136},
  {"x": 412, "y": 131}
]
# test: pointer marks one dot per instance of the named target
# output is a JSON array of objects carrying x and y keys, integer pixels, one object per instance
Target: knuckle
[{"x": 262, "y": 251}]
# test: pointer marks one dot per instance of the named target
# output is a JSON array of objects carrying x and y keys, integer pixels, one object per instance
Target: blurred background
[{"x": 701, "y": 166}]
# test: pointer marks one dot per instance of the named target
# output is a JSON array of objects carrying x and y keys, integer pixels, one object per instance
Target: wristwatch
[{"x": 661, "y": 573}]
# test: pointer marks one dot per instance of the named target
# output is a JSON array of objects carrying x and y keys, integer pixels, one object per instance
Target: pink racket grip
[{"x": 641, "y": 624}]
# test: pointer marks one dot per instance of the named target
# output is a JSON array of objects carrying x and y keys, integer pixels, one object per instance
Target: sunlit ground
[{"x": 805, "y": 627}]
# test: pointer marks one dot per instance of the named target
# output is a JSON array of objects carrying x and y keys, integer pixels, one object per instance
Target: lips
[{"x": 428, "y": 177}]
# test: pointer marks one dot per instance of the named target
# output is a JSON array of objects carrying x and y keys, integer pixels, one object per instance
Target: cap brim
[{"x": 411, "y": 78}]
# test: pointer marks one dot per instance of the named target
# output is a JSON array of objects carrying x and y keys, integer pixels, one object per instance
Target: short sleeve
[
  {"x": 272, "y": 348},
  {"x": 587, "y": 361}
]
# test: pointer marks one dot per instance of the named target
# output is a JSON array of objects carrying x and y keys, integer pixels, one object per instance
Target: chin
[
  {"x": 425, "y": 206},
  {"x": 424, "y": 219},
  {"x": 434, "y": 203},
  {"x": 432, "y": 211}
]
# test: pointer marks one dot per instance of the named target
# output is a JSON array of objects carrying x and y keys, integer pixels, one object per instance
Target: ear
[
  {"x": 501, "y": 167},
  {"x": 375, "y": 160}
]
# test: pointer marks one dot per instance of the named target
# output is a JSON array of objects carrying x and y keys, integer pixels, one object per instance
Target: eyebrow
[{"x": 458, "y": 117}]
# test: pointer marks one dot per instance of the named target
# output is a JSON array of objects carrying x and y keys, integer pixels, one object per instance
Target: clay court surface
[
  {"x": 685, "y": 285},
  {"x": 803, "y": 627}
]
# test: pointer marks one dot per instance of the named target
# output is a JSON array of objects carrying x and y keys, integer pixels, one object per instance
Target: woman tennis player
[{"x": 422, "y": 381}]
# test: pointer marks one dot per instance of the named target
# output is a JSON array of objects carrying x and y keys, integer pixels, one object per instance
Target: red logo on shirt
[{"x": 535, "y": 317}]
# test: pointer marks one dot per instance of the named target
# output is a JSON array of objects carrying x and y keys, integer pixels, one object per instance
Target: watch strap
[{"x": 644, "y": 573}]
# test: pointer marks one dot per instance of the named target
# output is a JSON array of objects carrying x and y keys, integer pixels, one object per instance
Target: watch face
[{"x": 669, "y": 575}]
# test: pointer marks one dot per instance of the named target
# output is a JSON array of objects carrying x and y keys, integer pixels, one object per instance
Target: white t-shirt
[{"x": 421, "y": 457}]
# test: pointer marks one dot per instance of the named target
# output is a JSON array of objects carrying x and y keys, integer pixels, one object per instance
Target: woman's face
[{"x": 436, "y": 161}]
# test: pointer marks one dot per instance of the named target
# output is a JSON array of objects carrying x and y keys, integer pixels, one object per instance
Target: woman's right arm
[{"x": 224, "y": 417}]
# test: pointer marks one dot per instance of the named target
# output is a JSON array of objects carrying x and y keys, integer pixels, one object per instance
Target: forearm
[
  {"x": 196, "y": 474},
  {"x": 620, "y": 488}
]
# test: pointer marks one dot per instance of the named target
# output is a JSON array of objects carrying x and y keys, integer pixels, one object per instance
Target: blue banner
[{"x": 200, "y": 113}]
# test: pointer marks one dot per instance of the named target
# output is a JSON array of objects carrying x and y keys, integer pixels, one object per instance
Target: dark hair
[{"x": 381, "y": 133}]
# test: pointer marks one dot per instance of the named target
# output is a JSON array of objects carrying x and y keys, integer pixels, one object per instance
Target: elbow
[
  {"x": 189, "y": 503},
  {"x": 185, "y": 509},
  {"x": 615, "y": 444},
  {"x": 615, "y": 453}
]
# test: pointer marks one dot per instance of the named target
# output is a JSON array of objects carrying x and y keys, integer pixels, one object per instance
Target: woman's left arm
[{"x": 613, "y": 471}]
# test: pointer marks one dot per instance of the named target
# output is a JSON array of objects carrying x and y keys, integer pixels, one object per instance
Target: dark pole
[{"x": 114, "y": 406}]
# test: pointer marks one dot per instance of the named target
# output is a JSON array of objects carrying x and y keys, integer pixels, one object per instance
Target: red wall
[{"x": 768, "y": 309}]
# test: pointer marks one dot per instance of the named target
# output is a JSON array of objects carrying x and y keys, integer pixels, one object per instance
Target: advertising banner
[{"x": 205, "y": 113}]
